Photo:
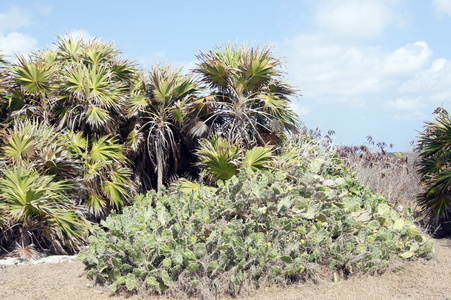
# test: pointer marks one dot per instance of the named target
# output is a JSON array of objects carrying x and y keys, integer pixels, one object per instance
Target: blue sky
[{"x": 370, "y": 67}]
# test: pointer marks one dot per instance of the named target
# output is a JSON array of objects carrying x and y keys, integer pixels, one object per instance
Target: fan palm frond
[{"x": 435, "y": 169}]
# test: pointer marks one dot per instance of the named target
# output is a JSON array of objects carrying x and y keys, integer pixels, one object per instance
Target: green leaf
[
  {"x": 194, "y": 283},
  {"x": 165, "y": 277},
  {"x": 130, "y": 282},
  {"x": 113, "y": 287},
  {"x": 399, "y": 224},
  {"x": 117, "y": 262},
  {"x": 286, "y": 259},
  {"x": 256, "y": 158},
  {"x": 200, "y": 250},
  {"x": 276, "y": 271},
  {"x": 126, "y": 268},
  {"x": 177, "y": 258},
  {"x": 189, "y": 255},
  {"x": 407, "y": 254},
  {"x": 114, "y": 274},
  {"x": 418, "y": 238},
  {"x": 167, "y": 263},
  {"x": 151, "y": 281},
  {"x": 213, "y": 267},
  {"x": 384, "y": 210},
  {"x": 373, "y": 225},
  {"x": 193, "y": 267},
  {"x": 320, "y": 236}
]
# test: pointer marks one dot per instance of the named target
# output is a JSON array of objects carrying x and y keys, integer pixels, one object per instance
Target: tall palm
[
  {"x": 248, "y": 98},
  {"x": 158, "y": 111},
  {"x": 435, "y": 169},
  {"x": 46, "y": 147}
]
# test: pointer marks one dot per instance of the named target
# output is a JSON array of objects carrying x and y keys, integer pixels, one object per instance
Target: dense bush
[{"x": 271, "y": 227}]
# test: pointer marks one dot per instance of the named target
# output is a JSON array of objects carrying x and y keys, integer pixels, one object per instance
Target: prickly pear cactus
[{"x": 279, "y": 226}]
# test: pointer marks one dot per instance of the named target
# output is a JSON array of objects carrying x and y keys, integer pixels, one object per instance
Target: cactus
[{"x": 275, "y": 224}]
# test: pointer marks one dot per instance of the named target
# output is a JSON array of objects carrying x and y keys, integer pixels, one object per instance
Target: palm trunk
[
  {"x": 159, "y": 174},
  {"x": 160, "y": 161}
]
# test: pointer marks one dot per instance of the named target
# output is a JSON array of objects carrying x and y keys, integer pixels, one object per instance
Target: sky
[{"x": 362, "y": 67}]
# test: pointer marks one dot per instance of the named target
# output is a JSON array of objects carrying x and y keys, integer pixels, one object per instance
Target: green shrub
[{"x": 270, "y": 227}]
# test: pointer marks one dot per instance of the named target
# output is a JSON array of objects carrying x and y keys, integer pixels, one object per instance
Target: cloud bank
[
  {"x": 12, "y": 23},
  {"x": 338, "y": 63}
]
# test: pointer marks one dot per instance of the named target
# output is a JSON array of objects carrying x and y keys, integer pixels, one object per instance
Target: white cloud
[
  {"x": 80, "y": 33},
  {"x": 438, "y": 64},
  {"x": 432, "y": 85},
  {"x": 17, "y": 43},
  {"x": 346, "y": 78},
  {"x": 334, "y": 73},
  {"x": 14, "y": 19},
  {"x": 408, "y": 59},
  {"x": 161, "y": 58},
  {"x": 436, "y": 79},
  {"x": 336, "y": 68},
  {"x": 12, "y": 41},
  {"x": 406, "y": 104},
  {"x": 300, "y": 110},
  {"x": 354, "y": 19},
  {"x": 152, "y": 59},
  {"x": 416, "y": 98},
  {"x": 442, "y": 7}
]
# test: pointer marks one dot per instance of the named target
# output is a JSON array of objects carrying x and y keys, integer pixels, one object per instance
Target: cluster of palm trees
[{"x": 83, "y": 130}]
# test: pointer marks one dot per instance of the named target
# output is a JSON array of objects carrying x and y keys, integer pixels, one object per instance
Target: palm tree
[
  {"x": 95, "y": 86},
  {"x": 4, "y": 83},
  {"x": 222, "y": 158},
  {"x": 219, "y": 157},
  {"x": 158, "y": 111},
  {"x": 84, "y": 86},
  {"x": 435, "y": 170},
  {"x": 248, "y": 101},
  {"x": 97, "y": 169},
  {"x": 34, "y": 81},
  {"x": 105, "y": 176},
  {"x": 38, "y": 207}
]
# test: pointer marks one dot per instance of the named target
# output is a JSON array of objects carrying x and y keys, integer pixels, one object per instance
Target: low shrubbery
[
  {"x": 276, "y": 226},
  {"x": 392, "y": 174}
]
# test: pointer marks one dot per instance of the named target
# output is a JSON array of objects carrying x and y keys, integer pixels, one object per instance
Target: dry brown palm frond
[{"x": 26, "y": 252}]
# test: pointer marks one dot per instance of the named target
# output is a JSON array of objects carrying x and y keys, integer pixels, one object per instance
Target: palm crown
[
  {"x": 249, "y": 100},
  {"x": 80, "y": 85},
  {"x": 159, "y": 113}
]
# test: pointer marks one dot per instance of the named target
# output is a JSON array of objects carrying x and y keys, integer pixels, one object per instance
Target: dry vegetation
[{"x": 393, "y": 175}]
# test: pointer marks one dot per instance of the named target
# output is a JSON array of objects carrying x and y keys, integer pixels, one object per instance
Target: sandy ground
[{"x": 416, "y": 280}]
